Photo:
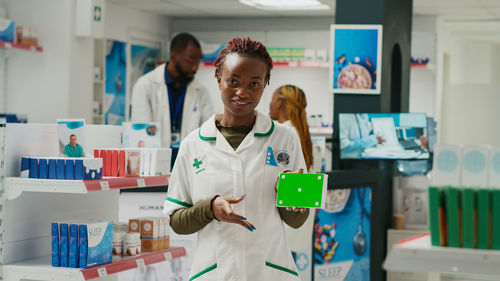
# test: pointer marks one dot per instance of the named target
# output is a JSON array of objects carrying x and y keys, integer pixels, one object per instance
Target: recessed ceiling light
[{"x": 286, "y": 4}]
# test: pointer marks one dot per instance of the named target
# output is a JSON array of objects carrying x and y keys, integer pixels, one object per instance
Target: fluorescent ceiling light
[{"x": 286, "y": 4}]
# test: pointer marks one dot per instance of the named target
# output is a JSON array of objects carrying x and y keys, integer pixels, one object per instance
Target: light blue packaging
[
  {"x": 70, "y": 169},
  {"x": 73, "y": 246},
  {"x": 96, "y": 247},
  {"x": 78, "y": 169},
  {"x": 25, "y": 167},
  {"x": 7, "y": 30},
  {"x": 43, "y": 168},
  {"x": 52, "y": 169},
  {"x": 92, "y": 168},
  {"x": 61, "y": 169},
  {"x": 54, "y": 232},
  {"x": 64, "y": 245}
]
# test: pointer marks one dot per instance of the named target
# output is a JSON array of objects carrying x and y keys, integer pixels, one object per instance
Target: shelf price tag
[
  {"x": 141, "y": 182},
  {"x": 168, "y": 256},
  {"x": 102, "y": 272},
  {"x": 140, "y": 263},
  {"x": 104, "y": 185}
]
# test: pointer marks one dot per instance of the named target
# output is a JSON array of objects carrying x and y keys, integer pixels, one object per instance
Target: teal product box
[
  {"x": 43, "y": 168},
  {"x": 302, "y": 190},
  {"x": 70, "y": 169},
  {"x": 7, "y": 30},
  {"x": 54, "y": 235},
  {"x": 61, "y": 169},
  {"x": 73, "y": 246},
  {"x": 78, "y": 169},
  {"x": 25, "y": 167},
  {"x": 33, "y": 168},
  {"x": 64, "y": 245},
  {"x": 96, "y": 245},
  {"x": 52, "y": 169},
  {"x": 92, "y": 168}
]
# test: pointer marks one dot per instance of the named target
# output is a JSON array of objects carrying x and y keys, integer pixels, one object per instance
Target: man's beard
[{"x": 184, "y": 79}]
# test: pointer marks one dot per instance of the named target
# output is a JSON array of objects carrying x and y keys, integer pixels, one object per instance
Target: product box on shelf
[
  {"x": 447, "y": 165},
  {"x": 54, "y": 234},
  {"x": 134, "y": 225},
  {"x": 133, "y": 163},
  {"x": 484, "y": 219},
  {"x": 494, "y": 167},
  {"x": 43, "y": 168},
  {"x": 496, "y": 219},
  {"x": 52, "y": 169},
  {"x": 96, "y": 243},
  {"x": 61, "y": 169},
  {"x": 474, "y": 166},
  {"x": 302, "y": 190},
  {"x": 150, "y": 230},
  {"x": 437, "y": 218},
  {"x": 78, "y": 169},
  {"x": 25, "y": 167},
  {"x": 452, "y": 196},
  {"x": 469, "y": 220},
  {"x": 70, "y": 169},
  {"x": 92, "y": 168},
  {"x": 33, "y": 174},
  {"x": 7, "y": 30},
  {"x": 160, "y": 161},
  {"x": 64, "y": 244},
  {"x": 73, "y": 246}
]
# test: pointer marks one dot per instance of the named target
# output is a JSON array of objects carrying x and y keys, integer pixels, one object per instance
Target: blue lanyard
[{"x": 178, "y": 105}]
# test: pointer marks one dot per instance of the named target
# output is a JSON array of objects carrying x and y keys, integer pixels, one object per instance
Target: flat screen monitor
[{"x": 383, "y": 136}]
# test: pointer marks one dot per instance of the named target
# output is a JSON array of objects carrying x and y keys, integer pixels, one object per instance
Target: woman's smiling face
[{"x": 242, "y": 83}]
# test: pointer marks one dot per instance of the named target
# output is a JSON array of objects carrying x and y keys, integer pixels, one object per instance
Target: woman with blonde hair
[{"x": 288, "y": 106}]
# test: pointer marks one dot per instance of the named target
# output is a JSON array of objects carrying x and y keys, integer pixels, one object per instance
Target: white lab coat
[
  {"x": 150, "y": 104},
  {"x": 207, "y": 166},
  {"x": 355, "y": 135}
]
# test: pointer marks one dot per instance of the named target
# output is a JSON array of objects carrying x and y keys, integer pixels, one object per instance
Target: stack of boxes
[
  {"x": 81, "y": 244},
  {"x": 464, "y": 201},
  {"x": 134, "y": 162},
  {"x": 61, "y": 168},
  {"x": 154, "y": 233}
]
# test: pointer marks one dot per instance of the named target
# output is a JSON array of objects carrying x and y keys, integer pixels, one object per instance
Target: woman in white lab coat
[{"x": 222, "y": 185}]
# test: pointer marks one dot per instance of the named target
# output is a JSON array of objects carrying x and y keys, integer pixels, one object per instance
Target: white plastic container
[
  {"x": 129, "y": 245},
  {"x": 118, "y": 243}
]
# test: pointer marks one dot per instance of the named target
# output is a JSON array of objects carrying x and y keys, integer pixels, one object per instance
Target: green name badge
[{"x": 302, "y": 190}]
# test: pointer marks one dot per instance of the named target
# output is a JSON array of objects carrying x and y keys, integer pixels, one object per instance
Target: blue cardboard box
[
  {"x": 64, "y": 245},
  {"x": 7, "y": 30},
  {"x": 33, "y": 168},
  {"x": 43, "y": 168},
  {"x": 78, "y": 169},
  {"x": 73, "y": 246},
  {"x": 25, "y": 167},
  {"x": 61, "y": 169},
  {"x": 54, "y": 232},
  {"x": 92, "y": 168},
  {"x": 70, "y": 169},
  {"x": 96, "y": 243},
  {"x": 52, "y": 169}
]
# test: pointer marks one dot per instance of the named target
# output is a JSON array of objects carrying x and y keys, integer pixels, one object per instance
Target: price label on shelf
[
  {"x": 168, "y": 256},
  {"x": 140, "y": 263},
  {"x": 141, "y": 182},
  {"x": 102, "y": 272},
  {"x": 104, "y": 185}
]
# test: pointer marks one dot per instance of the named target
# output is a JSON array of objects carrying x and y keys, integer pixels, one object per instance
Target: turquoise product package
[{"x": 302, "y": 190}]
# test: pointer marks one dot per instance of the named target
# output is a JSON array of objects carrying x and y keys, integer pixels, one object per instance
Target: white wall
[
  {"x": 38, "y": 83},
  {"x": 282, "y": 32}
]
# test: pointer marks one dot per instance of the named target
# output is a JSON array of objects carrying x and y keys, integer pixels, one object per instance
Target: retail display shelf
[
  {"x": 15, "y": 186},
  {"x": 416, "y": 254},
  {"x": 9, "y": 45},
  {"x": 40, "y": 269},
  {"x": 323, "y": 64}
]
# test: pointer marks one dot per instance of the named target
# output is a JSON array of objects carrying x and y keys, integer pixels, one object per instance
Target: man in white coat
[{"x": 170, "y": 94}]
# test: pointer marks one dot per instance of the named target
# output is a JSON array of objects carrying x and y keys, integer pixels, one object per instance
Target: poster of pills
[
  {"x": 355, "y": 59},
  {"x": 341, "y": 239}
]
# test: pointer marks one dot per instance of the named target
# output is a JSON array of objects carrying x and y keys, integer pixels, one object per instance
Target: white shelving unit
[
  {"x": 416, "y": 254},
  {"x": 29, "y": 205}
]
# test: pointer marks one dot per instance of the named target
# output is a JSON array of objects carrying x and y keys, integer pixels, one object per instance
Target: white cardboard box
[
  {"x": 494, "y": 167},
  {"x": 474, "y": 166},
  {"x": 447, "y": 163}
]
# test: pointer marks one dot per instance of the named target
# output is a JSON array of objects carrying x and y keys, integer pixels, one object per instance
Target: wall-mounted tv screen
[{"x": 383, "y": 136}]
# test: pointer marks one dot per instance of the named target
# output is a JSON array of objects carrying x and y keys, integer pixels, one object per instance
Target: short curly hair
[{"x": 246, "y": 47}]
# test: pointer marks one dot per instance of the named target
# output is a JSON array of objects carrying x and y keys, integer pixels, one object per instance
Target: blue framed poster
[
  {"x": 355, "y": 59},
  {"x": 116, "y": 69},
  {"x": 342, "y": 233}
]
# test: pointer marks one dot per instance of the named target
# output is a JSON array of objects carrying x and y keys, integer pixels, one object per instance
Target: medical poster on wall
[
  {"x": 116, "y": 69},
  {"x": 71, "y": 133},
  {"x": 341, "y": 240},
  {"x": 150, "y": 204},
  {"x": 143, "y": 59},
  {"x": 355, "y": 59}
]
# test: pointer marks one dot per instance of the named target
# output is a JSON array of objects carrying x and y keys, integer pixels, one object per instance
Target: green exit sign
[{"x": 97, "y": 13}]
